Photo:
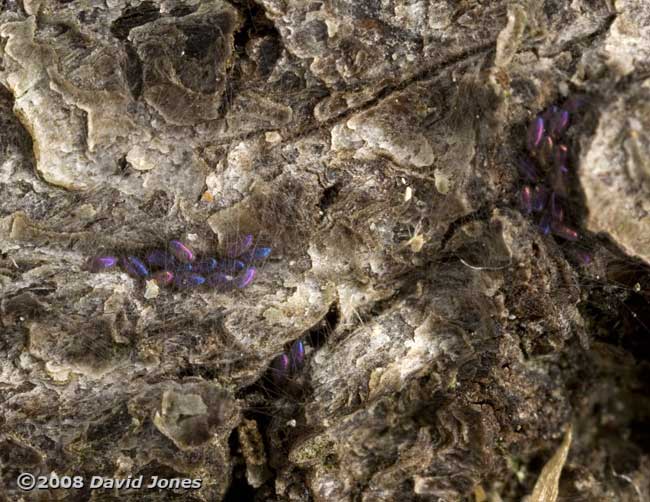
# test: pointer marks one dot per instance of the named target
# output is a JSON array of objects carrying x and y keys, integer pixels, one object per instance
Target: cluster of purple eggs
[
  {"x": 546, "y": 170},
  {"x": 288, "y": 363},
  {"x": 178, "y": 266}
]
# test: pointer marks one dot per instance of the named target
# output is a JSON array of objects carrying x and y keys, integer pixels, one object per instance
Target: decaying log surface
[{"x": 373, "y": 145}]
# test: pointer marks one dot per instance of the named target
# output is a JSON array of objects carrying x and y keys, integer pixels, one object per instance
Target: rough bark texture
[{"x": 373, "y": 146}]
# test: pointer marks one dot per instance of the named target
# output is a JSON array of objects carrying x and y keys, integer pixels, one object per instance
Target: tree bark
[{"x": 373, "y": 146}]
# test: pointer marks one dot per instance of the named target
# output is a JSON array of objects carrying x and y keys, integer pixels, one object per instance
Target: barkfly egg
[
  {"x": 205, "y": 266},
  {"x": 526, "y": 199},
  {"x": 256, "y": 254},
  {"x": 161, "y": 259},
  {"x": 220, "y": 281},
  {"x": 557, "y": 120},
  {"x": 231, "y": 266},
  {"x": 539, "y": 198},
  {"x": 280, "y": 368},
  {"x": 560, "y": 180},
  {"x": 535, "y": 133},
  {"x": 557, "y": 211},
  {"x": 181, "y": 252},
  {"x": 133, "y": 266},
  {"x": 563, "y": 231},
  {"x": 545, "y": 223},
  {"x": 546, "y": 151},
  {"x": 561, "y": 155},
  {"x": 239, "y": 247},
  {"x": 163, "y": 277},
  {"x": 184, "y": 280},
  {"x": 246, "y": 278},
  {"x": 297, "y": 355},
  {"x": 101, "y": 263},
  {"x": 528, "y": 170}
]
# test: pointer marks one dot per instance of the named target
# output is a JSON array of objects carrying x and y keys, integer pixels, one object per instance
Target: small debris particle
[
  {"x": 416, "y": 243},
  {"x": 272, "y": 137},
  {"x": 151, "y": 290}
]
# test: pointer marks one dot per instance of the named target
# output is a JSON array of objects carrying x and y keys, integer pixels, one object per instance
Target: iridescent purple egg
[
  {"x": 528, "y": 170},
  {"x": 558, "y": 122},
  {"x": 101, "y": 263},
  {"x": 185, "y": 267},
  {"x": 134, "y": 266},
  {"x": 240, "y": 246},
  {"x": 181, "y": 252},
  {"x": 246, "y": 278},
  {"x": 231, "y": 266},
  {"x": 560, "y": 180},
  {"x": 220, "y": 281},
  {"x": 561, "y": 155},
  {"x": 584, "y": 257},
  {"x": 563, "y": 231},
  {"x": 545, "y": 223},
  {"x": 575, "y": 103},
  {"x": 535, "y": 133},
  {"x": 160, "y": 259},
  {"x": 526, "y": 199},
  {"x": 280, "y": 368},
  {"x": 297, "y": 355},
  {"x": 549, "y": 112},
  {"x": 256, "y": 254},
  {"x": 186, "y": 280},
  {"x": 557, "y": 211},
  {"x": 539, "y": 198},
  {"x": 163, "y": 277},
  {"x": 205, "y": 266},
  {"x": 546, "y": 151}
]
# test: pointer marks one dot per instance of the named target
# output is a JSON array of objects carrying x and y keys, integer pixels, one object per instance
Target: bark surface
[{"x": 450, "y": 345}]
